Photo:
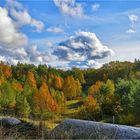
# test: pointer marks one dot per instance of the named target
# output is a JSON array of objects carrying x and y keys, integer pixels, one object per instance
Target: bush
[{"x": 127, "y": 119}]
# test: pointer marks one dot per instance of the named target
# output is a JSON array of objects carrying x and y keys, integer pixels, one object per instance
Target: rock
[
  {"x": 81, "y": 129},
  {"x": 9, "y": 121}
]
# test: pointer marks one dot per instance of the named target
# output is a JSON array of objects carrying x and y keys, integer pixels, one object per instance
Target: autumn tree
[
  {"x": 95, "y": 88},
  {"x": 58, "y": 83},
  {"x": 104, "y": 93},
  {"x": 55, "y": 81},
  {"x": 31, "y": 79},
  {"x": 6, "y": 70},
  {"x": 71, "y": 87},
  {"x": 91, "y": 104},
  {"x": 90, "y": 109},
  {"x": 59, "y": 97},
  {"x": 43, "y": 101}
]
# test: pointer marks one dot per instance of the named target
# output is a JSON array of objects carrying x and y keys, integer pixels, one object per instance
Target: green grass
[{"x": 70, "y": 110}]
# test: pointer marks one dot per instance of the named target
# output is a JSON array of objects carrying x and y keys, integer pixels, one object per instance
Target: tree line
[{"x": 42, "y": 91}]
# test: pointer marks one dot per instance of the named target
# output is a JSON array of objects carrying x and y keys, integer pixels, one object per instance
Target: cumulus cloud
[
  {"x": 14, "y": 45},
  {"x": 38, "y": 57},
  {"x": 10, "y": 37},
  {"x": 69, "y": 7},
  {"x": 93, "y": 63},
  {"x": 133, "y": 19},
  {"x": 21, "y": 16},
  {"x": 25, "y": 55},
  {"x": 84, "y": 48},
  {"x": 81, "y": 50},
  {"x": 18, "y": 54},
  {"x": 95, "y": 6},
  {"x": 55, "y": 30},
  {"x": 12, "y": 41}
]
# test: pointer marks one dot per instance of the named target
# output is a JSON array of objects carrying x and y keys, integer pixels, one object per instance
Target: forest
[{"x": 42, "y": 92}]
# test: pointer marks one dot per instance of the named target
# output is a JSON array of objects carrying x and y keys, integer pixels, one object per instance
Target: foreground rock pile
[
  {"x": 12, "y": 128},
  {"x": 81, "y": 129},
  {"x": 9, "y": 121}
]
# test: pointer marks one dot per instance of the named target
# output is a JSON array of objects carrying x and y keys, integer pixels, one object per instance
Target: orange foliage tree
[
  {"x": 31, "y": 79},
  {"x": 58, "y": 82},
  {"x": 91, "y": 104},
  {"x": 43, "y": 101},
  {"x": 95, "y": 88}
]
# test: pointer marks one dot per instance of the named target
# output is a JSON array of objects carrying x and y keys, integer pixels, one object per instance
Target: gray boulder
[
  {"x": 9, "y": 121},
  {"x": 81, "y": 129}
]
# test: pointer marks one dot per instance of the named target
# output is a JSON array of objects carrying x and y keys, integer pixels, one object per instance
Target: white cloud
[
  {"x": 69, "y": 7},
  {"x": 14, "y": 45},
  {"x": 18, "y": 54},
  {"x": 133, "y": 19},
  {"x": 130, "y": 31},
  {"x": 92, "y": 63},
  {"x": 55, "y": 30},
  {"x": 83, "y": 48},
  {"x": 21, "y": 16},
  {"x": 49, "y": 43},
  {"x": 10, "y": 37},
  {"x": 38, "y": 24},
  {"x": 95, "y": 7}
]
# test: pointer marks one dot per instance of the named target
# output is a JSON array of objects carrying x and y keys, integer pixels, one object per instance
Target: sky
[{"x": 69, "y": 33}]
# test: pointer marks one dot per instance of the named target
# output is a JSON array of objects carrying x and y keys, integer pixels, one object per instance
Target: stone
[
  {"x": 82, "y": 129},
  {"x": 9, "y": 121}
]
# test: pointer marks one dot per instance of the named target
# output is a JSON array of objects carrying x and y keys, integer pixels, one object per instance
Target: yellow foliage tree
[{"x": 71, "y": 87}]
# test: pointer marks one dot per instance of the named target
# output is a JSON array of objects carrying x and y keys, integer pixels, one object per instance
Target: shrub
[{"x": 127, "y": 119}]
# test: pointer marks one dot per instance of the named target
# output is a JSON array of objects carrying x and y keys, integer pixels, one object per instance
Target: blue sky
[{"x": 69, "y": 33}]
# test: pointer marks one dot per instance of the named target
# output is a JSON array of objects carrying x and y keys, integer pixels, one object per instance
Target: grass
[
  {"x": 71, "y": 109},
  {"x": 70, "y": 102}
]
